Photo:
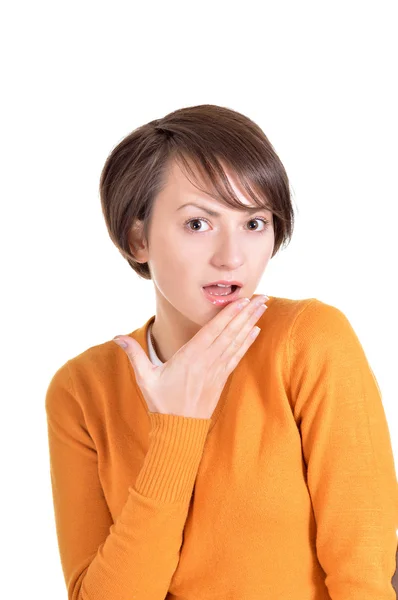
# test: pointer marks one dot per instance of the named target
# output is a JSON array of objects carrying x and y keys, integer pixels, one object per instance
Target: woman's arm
[
  {"x": 347, "y": 449},
  {"x": 136, "y": 556}
]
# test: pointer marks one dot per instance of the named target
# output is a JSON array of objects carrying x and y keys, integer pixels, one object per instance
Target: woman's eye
[{"x": 199, "y": 219}]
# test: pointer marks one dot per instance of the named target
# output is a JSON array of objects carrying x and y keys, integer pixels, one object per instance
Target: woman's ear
[{"x": 137, "y": 243}]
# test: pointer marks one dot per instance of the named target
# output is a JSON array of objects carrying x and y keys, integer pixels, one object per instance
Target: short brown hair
[{"x": 135, "y": 170}]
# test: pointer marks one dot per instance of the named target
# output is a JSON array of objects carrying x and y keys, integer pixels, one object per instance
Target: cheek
[
  {"x": 265, "y": 256},
  {"x": 173, "y": 265}
]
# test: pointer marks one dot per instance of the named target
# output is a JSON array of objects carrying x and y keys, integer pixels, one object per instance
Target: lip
[
  {"x": 225, "y": 282},
  {"x": 222, "y": 300}
]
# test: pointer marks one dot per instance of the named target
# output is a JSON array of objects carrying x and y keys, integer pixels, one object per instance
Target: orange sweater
[{"x": 289, "y": 491}]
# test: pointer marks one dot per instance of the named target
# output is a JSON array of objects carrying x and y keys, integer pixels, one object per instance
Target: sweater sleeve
[
  {"x": 347, "y": 450},
  {"x": 133, "y": 558}
]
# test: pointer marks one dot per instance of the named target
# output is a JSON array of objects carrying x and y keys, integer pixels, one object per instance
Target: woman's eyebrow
[{"x": 216, "y": 214}]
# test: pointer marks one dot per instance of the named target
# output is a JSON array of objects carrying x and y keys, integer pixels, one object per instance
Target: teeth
[
  {"x": 222, "y": 285},
  {"x": 226, "y": 294}
]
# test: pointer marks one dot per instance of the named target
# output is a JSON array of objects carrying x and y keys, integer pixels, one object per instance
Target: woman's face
[{"x": 184, "y": 256}]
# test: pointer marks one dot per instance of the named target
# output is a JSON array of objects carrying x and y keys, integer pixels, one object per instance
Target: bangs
[{"x": 208, "y": 175}]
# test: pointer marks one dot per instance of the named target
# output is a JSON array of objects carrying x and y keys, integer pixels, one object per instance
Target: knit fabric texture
[{"x": 288, "y": 492}]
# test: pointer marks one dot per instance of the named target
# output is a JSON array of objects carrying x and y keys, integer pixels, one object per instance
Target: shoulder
[
  {"x": 84, "y": 377},
  {"x": 300, "y": 315},
  {"x": 293, "y": 307},
  {"x": 318, "y": 323},
  {"x": 95, "y": 360},
  {"x": 320, "y": 337},
  {"x": 98, "y": 360},
  {"x": 309, "y": 325}
]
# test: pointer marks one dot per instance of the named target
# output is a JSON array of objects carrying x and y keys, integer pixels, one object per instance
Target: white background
[{"x": 320, "y": 80}]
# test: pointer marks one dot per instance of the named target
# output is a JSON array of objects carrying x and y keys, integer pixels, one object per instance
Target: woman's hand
[{"x": 191, "y": 382}]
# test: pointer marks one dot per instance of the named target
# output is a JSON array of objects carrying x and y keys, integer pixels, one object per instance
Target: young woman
[{"x": 204, "y": 461}]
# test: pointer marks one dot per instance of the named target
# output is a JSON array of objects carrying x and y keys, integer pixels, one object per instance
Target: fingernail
[
  {"x": 242, "y": 303},
  {"x": 119, "y": 342},
  {"x": 261, "y": 309}
]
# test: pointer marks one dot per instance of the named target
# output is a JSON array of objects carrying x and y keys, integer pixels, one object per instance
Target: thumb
[{"x": 139, "y": 360}]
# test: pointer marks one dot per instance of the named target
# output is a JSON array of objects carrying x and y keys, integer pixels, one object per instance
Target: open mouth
[
  {"x": 219, "y": 295},
  {"x": 216, "y": 290}
]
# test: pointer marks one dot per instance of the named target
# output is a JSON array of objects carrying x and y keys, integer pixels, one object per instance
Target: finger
[
  {"x": 210, "y": 332},
  {"x": 239, "y": 354},
  {"x": 237, "y": 337},
  {"x": 136, "y": 355},
  {"x": 230, "y": 340}
]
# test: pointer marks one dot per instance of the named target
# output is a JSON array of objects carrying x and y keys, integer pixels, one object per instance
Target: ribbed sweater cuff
[{"x": 172, "y": 461}]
